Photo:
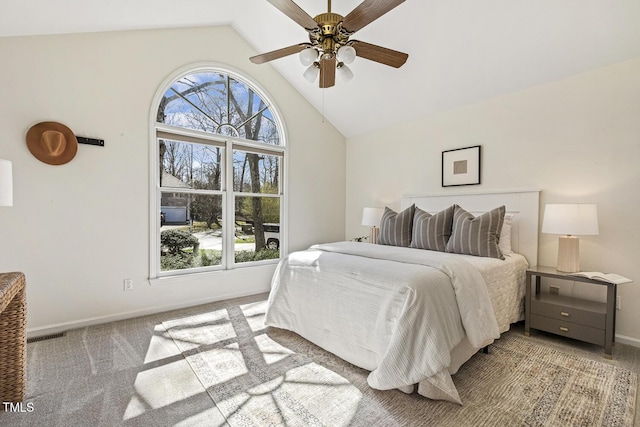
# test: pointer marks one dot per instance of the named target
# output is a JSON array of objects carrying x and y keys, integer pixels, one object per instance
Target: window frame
[{"x": 229, "y": 143}]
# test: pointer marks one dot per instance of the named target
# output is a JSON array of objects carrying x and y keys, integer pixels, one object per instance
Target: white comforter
[{"x": 397, "y": 312}]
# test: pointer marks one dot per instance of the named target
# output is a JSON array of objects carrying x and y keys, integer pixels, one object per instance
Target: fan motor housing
[
  {"x": 328, "y": 22},
  {"x": 329, "y": 34}
]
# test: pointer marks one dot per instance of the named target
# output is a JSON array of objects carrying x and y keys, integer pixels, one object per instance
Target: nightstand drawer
[
  {"x": 568, "y": 329},
  {"x": 587, "y": 313}
]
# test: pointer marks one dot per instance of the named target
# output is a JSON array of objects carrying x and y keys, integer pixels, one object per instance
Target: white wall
[
  {"x": 577, "y": 140},
  {"x": 79, "y": 229}
]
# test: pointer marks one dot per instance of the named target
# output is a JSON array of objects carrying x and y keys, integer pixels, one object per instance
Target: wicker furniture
[{"x": 13, "y": 337}]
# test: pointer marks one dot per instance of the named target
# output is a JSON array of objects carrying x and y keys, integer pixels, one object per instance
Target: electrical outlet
[
  {"x": 128, "y": 284},
  {"x": 618, "y": 305},
  {"x": 554, "y": 290}
]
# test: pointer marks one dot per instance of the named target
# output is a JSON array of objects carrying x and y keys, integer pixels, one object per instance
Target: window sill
[{"x": 261, "y": 267}]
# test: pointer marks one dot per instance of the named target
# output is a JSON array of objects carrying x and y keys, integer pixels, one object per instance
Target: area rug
[{"x": 260, "y": 376}]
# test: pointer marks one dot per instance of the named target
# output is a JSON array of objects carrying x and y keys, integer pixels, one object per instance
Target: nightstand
[{"x": 589, "y": 321}]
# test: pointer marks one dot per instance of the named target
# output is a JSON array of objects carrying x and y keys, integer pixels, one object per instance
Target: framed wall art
[{"x": 461, "y": 166}]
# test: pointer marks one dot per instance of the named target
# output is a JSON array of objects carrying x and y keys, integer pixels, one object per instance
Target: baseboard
[
  {"x": 623, "y": 339},
  {"x": 91, "y": 321}
]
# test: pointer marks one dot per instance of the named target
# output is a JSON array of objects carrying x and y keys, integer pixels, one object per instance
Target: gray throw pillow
[
  {"x": 479, "y": 235},
  {"x": 431, "y": 232},
  {"x": 395, "y": 228}
]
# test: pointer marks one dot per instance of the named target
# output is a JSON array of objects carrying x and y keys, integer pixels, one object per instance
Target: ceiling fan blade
[
  {"x": 367, "y": 12},
  {"x": 280, "y": 53},
  {"x": 380, "y": 54},
  {"x": 327, "y": 72},
  {"x": 295, "y": 12}
]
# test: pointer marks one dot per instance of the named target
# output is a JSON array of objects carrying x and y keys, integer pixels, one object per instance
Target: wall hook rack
[{"x": 90, "y": 141}]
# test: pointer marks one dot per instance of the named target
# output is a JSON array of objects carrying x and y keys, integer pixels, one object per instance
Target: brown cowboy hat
[{"x": 52, "y": 143}]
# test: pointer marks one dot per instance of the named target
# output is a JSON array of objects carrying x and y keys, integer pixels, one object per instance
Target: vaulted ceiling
[{"x": 460, "y": 51}]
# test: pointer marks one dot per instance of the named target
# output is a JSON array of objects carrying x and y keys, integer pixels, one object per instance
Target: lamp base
[
  {"x": 373, "y": 235},
  {"x": 568, "y": 254}
]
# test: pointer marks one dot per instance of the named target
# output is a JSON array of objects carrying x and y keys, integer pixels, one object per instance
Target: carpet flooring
[
  {"x": 265, "y": 376},
  {"x": 139, "y": 372}
]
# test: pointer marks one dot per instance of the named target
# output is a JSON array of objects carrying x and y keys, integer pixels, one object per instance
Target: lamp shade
[
  {"x": 347, "y": 54},
  {"x": 372, "y": 216},
  {"x": 6, "y": 183},
  {"x": 311, "y": 73},
  {"x": 570, "y": 219},
  {"x": 308, "y": 56}
]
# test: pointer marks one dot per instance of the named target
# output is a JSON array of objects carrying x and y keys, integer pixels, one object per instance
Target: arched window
[{"x": 218, "y": 173}]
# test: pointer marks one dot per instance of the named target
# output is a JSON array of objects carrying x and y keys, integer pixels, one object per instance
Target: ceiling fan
[{"x": 330, "y": 47}]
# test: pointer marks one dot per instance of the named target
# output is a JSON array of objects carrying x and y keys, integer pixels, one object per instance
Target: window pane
[
  {"x": 188, "y": 165},
  {"x": 268, "y": 130},
  {"x": 255, "y": 173},
  {"x": 196, "y": 101},
  {"x": 190, "y": 231},
  {"x": 250, "y": 115},
  {"x": 217, "y": 103},
  {"x": 257, "y": 228}
]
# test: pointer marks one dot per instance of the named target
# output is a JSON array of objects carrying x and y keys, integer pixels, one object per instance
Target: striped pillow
[
  {"x": 431, "y": 231},
  {"x": 395, "y": 228},
  {"x": 478, "y": 236}
]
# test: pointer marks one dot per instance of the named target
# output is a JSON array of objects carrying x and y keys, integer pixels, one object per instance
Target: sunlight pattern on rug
[{"x": 256, "y": 381}]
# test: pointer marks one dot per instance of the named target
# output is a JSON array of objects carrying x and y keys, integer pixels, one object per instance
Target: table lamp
[
  {"x": 371, "y": 217},
  {"x": 6, "y": 183},
  {"x": 570, "y": 220}
]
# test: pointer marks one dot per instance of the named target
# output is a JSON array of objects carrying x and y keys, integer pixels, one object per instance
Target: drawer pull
[
  {"x": 564, "y": 313},
  {"x": 563, "y": 329}
]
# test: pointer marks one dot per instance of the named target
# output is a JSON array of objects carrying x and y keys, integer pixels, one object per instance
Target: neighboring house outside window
[{"x": 219, "y": 175}]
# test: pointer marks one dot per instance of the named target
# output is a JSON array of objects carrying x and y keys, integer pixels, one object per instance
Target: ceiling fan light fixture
[
  {"x": 330, "y": 46},
  {"x": 308, "y": 56},
  {"x": 311, "y": 73},
  {"x": 347, "y": 54}
]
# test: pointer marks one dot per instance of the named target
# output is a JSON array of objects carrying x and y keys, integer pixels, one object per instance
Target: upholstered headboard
[{"x": 523, "y": 206}]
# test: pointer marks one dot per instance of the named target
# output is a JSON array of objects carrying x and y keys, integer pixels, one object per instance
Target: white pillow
[{"x": 505, "y": 236}]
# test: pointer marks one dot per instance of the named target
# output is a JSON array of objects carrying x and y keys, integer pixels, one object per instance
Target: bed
[{"x": 411, "y": 316}]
